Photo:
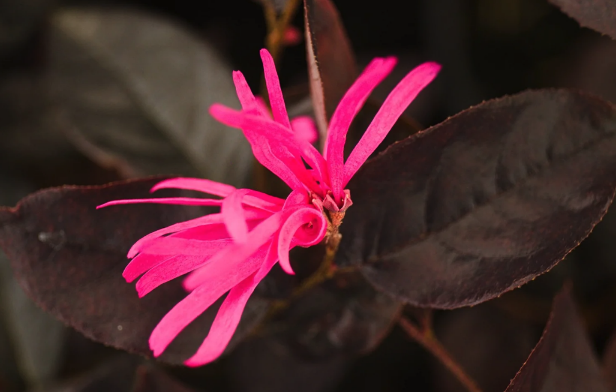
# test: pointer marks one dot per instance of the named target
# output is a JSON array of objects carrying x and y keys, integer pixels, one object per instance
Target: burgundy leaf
[
  {"x": 563, "y": 360},
  {"x": 69, "y": 258},
  {"x": 331, "y": 63},
  {"x": 599, "y": 15},
  {"x": 484, "y": 202}
]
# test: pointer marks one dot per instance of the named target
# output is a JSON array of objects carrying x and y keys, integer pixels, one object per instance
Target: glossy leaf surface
[{"x": 485, "y": 201}]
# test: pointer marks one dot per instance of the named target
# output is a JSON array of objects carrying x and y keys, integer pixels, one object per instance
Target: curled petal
[
  {"x": 195, "y": 184},
  {"x": 397, "y": 101},
  {"x": 311, "y": 226}
]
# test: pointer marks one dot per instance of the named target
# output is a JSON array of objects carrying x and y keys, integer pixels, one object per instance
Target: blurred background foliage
[{"x": 95, "y": 91}]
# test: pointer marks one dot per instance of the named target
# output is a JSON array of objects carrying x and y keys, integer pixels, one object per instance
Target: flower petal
[
  {"x": 279, "y": 110},
  {"x": 230, "y": 313},
  {"x": 260, "y": 145},
  {"x": 279, "y": 143},
  {"x": 142, "y": 263},
  {"x": 195, "y": 184},
  {"x": 164, "y": 272},
  {"x": 305, "y": 129},
  {"x": 236, "y": 253},
  {"x": 397, "y": 101},
  {"x": 294, "y": 222},
  {"x": 263, "y": 200},
  {"x": 221, "y": 279},
  {"x": 233, "y": 215},
  {"x": 345, "y": 112},
  {"x": 187, "y": 247},
  {"x": 191, "y": 255},
  {"x": 197, "y": 222},
  {"x": 185, "y": 201}
]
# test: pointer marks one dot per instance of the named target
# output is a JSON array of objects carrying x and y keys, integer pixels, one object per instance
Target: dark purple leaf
[
  {"x": 331, "y": 63},
  {"x": 563, "y": 360},
  {"x": 484, "y": 202},
  {"x": 599, "y": 15},
  {"x": 69, "y": 258},
  {"x": 343, "y": 315}
]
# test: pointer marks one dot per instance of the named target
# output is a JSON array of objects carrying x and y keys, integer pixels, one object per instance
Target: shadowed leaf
[
  {"x": 123, "y": 375},
  {"x": 267, "y": 364},
  {"x": 19, "y": 19},
  {"x": 344, "y": 315},
  {"x": 331, "y": 63},
  {"x": 609, "y": 363},
  {"x": 309, "y": 346},
  {"x": 484, "y": 202},
  {"x": 69, "y": 258},
  {"x": 477, "y": 338},
  {"x": 132, "y": 91},
  {"x": 563, "y": 360},
  {"x": 599, "y": 15}
]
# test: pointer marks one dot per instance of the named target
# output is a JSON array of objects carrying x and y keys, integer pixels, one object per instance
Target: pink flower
[{"x": 232, "y": 251}]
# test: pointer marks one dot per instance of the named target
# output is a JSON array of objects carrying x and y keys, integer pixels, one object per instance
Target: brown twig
[{"x": 425, "y": 336}]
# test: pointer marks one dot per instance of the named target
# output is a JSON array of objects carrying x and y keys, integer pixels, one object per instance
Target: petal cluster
[
  {"x": 276, "y": 145},
  {"x": 233, "y": 250},
  {"x": 230, "y": 251}
]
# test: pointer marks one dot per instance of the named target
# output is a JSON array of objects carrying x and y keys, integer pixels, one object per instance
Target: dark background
[{"x": 487, "y": 48}]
